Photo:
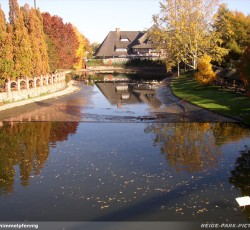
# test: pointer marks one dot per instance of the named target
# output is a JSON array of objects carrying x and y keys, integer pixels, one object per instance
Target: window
[
  {"x": 124, "y": 40},
  {"x": 120, "y": 49}
]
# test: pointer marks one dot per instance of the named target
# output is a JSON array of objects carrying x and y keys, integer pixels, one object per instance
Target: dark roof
[
  {"x": 113, "y": 41},
  {"x": 143, "y": 46},
  {"x": 143, "y": 38}
]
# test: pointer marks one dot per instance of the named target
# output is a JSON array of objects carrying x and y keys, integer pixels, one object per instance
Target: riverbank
[
  {"x": 71, "y": 87},
  {"x": 188, "y": 112},
  {"x": 211, "y": 98}
]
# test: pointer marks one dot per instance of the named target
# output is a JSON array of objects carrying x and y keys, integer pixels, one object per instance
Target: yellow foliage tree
[
  {"x": 81, "y": 52},
  {"x": 205, "y": 74}
]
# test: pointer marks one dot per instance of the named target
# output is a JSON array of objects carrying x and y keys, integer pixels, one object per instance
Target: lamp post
[{"x": 35, "y": 4}]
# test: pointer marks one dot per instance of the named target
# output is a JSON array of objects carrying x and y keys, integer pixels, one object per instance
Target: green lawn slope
[{"x": 210, "y": 97}]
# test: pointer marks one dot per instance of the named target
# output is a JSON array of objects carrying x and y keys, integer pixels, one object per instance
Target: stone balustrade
[{"x": 24, "y": 88}]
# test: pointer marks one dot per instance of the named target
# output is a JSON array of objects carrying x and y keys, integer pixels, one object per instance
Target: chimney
[
  {"x": 26, "y": 7},
  {"x": 117, "y": 30}
]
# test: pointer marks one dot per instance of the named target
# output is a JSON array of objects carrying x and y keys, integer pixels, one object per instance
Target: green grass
[{"x": 210, "y": 97}]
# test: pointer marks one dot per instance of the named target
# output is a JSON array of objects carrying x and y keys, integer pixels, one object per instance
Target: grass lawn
[{"x": 210, "y": 97}]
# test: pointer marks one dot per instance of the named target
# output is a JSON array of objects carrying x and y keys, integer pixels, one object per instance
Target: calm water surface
[{"x": 72, "y": 171}]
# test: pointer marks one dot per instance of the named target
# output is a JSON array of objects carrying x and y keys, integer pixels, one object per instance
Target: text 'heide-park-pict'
[{"x": 124, "y": 115}]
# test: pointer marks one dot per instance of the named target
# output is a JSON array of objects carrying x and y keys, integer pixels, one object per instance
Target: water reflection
[
  {"x": 102, "y": 171},
  {"x": 193, "y": 147},
  {"x": 124, "y": 93},
  {"x": 27, "y": 145},
  {"x": 240, "y": 176}
]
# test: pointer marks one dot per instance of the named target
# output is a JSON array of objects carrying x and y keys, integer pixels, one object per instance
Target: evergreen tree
[{"x": 22, "y": 52}]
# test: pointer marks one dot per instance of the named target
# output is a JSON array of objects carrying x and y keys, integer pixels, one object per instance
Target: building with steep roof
[{"x": 126, "y": 44}]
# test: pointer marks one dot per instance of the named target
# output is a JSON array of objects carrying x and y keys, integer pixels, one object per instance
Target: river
[{"x": 95, "y": 156}]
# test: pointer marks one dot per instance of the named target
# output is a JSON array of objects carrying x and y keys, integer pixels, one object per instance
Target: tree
[
  {"x": 6, "y": 57},
  {"x": 244, "y": 68},
  {"x": 21, "y": 43},
  {"x": 33, "y": 23},
  {"x": 205, "y": 74},
  {"x": 82, "y": 50},
  {"x": 162, "y": 42},
  {"x": 43, "y": 44},
  {"x": 184, "y": 30},
  {"x": 234, "y": 30},
  {"x": 70, "y": 44},
  {"x": 94, "y": 47},
  {"x": 63, "y": 40}
]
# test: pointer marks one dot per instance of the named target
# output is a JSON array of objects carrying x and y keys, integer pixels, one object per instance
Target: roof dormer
[{"x": 124, "y": 40}]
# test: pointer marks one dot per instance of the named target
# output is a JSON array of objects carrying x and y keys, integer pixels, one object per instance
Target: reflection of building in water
[
  {"x": 27, "y": 145},
  {"x": 123, "y": 93}
]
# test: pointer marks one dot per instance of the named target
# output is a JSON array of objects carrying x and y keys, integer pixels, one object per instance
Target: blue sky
[{"x": 95, "y": 18}]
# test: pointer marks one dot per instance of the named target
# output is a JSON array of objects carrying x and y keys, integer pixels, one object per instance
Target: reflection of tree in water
[
  {"x": 227, "y": 132},
  {"x": 192, "y": 146},
  {"x": 27, "y": 145},
  {"x": 240, "y": 176},
  {"x": 61, "y": 130}
]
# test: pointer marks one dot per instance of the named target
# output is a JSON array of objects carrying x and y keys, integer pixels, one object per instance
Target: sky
[{"x": 95, "y": 18}]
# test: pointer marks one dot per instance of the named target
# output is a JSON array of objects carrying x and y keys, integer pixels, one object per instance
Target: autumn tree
[
  {"x": 70, "y": 44},
  {"x": 183, "y": 30},
  {"x": 21, "y": 43},
  {"x": 234, "y": 30},
  {"x": 205, "y": 74},
  {"x": 243, "y": 68},
  {"x": 6, "y": 57},
  {"x": 82, "y": 50},
  {"x": 62, "y": 42},
  {"x": 50, "y": 38},
  {"x": 34, "y": 25}
]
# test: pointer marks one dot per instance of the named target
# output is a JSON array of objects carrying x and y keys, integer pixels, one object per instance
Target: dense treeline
[
  {"x": 34, "y": 43},
  {"x": 188, "y": 30}
]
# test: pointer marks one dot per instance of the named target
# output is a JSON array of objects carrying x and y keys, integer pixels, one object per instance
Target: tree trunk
[
  {"x": 195, "y": 63},
  {"x": 178, "y": 69}
]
